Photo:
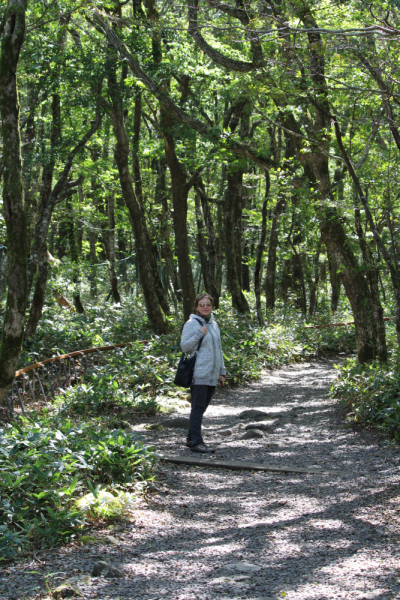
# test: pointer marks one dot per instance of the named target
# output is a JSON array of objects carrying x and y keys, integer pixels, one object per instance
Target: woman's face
[{"x": 204, "y": 307}]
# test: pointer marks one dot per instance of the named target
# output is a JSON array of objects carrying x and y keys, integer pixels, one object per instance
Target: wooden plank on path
[{"x": 247, "y": 466}]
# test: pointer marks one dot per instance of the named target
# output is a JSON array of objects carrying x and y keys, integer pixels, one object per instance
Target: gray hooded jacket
[{"x": 210, "y": 361}]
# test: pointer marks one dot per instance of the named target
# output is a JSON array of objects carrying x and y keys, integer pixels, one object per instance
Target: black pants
[{"x": 201, "y": 398}]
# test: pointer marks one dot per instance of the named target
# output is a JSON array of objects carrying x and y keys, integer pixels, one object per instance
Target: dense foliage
[
  {"x": 48, "y": 462},
  {"x": 371, "y": 394}
]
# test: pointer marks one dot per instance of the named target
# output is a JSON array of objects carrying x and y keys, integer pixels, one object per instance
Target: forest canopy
[{"x": 243, "y": 148}]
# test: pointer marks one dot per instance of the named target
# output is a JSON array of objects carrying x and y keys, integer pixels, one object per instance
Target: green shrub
[
  {"x": 372, "y": 393},
  {"x": 47, "y": 464}
]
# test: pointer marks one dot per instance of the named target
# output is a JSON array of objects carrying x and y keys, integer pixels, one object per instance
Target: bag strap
[{"x": 201, "y": 340}]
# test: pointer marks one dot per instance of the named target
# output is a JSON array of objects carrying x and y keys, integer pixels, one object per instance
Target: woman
[{"x": 209, "y": 369}]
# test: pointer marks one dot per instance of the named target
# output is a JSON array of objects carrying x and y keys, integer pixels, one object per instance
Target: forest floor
[{"x": 210, "y": 533}]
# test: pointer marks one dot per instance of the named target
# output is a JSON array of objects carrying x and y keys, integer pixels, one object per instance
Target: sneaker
[{"x": 202, "y": 448}]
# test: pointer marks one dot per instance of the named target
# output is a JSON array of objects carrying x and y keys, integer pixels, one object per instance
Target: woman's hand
[
  {"x": 221, "y": 380},
  {"x": 203, "y": 328}
]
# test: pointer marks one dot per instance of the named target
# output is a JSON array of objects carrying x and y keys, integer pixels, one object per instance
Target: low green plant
[
  {"x": 371, "y": 393},
  {"x": 46, "y": 464}
]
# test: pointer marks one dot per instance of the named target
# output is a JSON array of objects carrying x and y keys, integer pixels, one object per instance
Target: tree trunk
[
  {"x": 314, "y": 279},
  {"x": 260, "y": 252},
  {"x": 201, "y": 242},
  {"x": 113, "y": 276},
  {"x": 233, "y": 265},
  {"x": 13, "y": 194},
  {"x": 373, "y": 280},
  {"x": 180, "y": 192},
  {"x": 79, "y": 232},
  {"x": 220, "y": 248},
  {"x": 355, "y": 284},
  {"x": 144, "y": 252},
  {"x": 47, "y": 181},
  {"x": 272, "y": 246},
  {"x": 38, "y": 296},
  {"x": 74, "y": 258},
  {"x": 286, "y": 280},
  {"x": 298, "y": 281},
  {"x": 209, "y": 265},
  {"x": 166, "y": 243},
  {"x": 336, "y": 282},
  {"x": 139, "y": 196},
  {"x": 93, "y": 261}
]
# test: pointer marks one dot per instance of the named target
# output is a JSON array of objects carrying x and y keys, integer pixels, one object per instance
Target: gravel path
[{"x": 218, "y": 534}]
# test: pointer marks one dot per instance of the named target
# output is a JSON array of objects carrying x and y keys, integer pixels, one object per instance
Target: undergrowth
[
  {"x": 47, "y": 464},
  {"x": 371, "y": 393}
]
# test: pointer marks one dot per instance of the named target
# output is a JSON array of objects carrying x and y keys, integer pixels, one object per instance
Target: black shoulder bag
[{"x": 184, "y": 373}]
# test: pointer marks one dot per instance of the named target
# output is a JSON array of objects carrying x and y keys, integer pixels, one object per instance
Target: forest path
[{"x": 211, "y": 533}]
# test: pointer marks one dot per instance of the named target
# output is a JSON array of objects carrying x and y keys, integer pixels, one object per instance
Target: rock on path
[{"x": 216, "y": 534}]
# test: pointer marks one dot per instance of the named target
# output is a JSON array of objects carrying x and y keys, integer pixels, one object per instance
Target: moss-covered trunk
[{"x": 13, "y": 194}]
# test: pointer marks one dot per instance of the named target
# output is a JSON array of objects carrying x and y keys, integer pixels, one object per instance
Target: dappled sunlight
[{"x": 309, "y": 536}]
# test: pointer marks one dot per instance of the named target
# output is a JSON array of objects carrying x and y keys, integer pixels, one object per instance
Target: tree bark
[
  {"x": 210, "y": 274},
  {"x": 272, "y": 246},
  {"x": 355, "y": 284},
  {"x": 336, "y": 282},
  {"x": 93, "y": 261},
  {"x": 74, "y": 258},
  {"x": 314, "y": 281},
  {"x": 298, "y": 280},
  {"x": 112, "y": 274},
  {"x": 166, "y": 243},
  {"x": 260, "y": 252},
  {"x": 139, "y": 196},
  {"x": 38, "y": 296},
  {"x": 180, "y": 192},
  {"x": 13, "y": 194},
  {"x": 373, "y": 280},
  {"x": 233, "y": 266}
]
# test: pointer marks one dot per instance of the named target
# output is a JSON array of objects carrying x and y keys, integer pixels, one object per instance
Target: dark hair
[{"x": 200, "y": 297}]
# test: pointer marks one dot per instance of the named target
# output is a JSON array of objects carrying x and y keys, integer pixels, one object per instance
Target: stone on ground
[
  {"x": 252, "y": 434},
  {"x": 257, "y": 415},
  {"x": 105, "y": 569}
]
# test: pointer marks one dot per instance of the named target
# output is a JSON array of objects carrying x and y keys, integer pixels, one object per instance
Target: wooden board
[{"x": 247, "y": 466}]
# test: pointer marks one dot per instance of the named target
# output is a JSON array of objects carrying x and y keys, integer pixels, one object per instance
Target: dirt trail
[{"x": 219, "y": 534}]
